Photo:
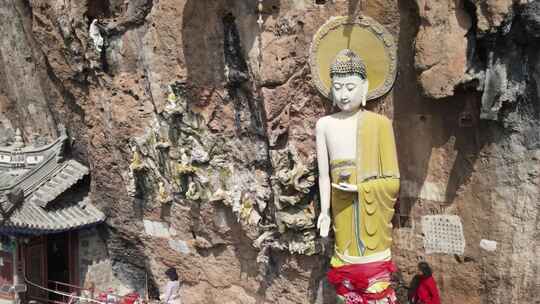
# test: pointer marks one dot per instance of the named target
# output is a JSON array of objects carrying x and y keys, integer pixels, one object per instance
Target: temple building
[{"x": 45, "y": 208}]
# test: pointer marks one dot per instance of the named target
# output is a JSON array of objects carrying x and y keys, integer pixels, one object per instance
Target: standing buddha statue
[{"x": 359, "y": 184}]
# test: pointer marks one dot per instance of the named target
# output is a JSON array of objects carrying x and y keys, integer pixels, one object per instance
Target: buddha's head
[{"x": 349, "y": 81}]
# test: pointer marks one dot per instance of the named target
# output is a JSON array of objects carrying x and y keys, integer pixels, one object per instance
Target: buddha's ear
[
  {"x": 332, "y": 97},
  {"x": 365, "y": 88}
]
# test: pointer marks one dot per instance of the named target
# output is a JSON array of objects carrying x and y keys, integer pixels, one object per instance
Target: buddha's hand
[
  {"x": 345, "y": 187},
  {"x": 323, "y": 224}
]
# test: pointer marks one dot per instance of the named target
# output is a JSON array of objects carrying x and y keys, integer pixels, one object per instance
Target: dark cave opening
[{"x": 98, "y": 9}]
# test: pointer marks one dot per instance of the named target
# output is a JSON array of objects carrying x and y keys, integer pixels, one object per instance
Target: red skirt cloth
[{"x": 351, "y": 281}]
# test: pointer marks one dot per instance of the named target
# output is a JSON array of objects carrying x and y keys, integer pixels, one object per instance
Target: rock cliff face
[{"x": 198, "y": 129}]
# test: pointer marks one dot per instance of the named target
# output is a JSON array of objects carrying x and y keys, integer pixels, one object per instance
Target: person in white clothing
[{"x": 172, "y": 289}]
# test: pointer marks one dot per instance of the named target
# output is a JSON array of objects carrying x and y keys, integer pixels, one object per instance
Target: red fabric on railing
[{"x": 351, "y": 281}]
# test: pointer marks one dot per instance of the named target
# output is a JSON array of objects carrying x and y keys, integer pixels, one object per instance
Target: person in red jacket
[{"x": 423, "y": 289}]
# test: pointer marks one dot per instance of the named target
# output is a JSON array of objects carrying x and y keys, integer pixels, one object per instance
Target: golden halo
[{"x": 367, "y": 38}]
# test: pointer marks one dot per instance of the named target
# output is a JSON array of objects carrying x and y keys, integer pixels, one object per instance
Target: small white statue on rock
[{"x": 95, "y": 34}]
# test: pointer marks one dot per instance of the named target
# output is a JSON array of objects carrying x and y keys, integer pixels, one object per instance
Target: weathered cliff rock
[
  {"x": 491, "y": 14},
  {"x": 503, "y": 63},
  {"x": 441, "y": 46}
]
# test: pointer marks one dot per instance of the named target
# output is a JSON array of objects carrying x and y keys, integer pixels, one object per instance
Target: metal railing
[
  {"x": 65, "y": 288},
  {"x": 70, "y": 294},
  {"x": 66, "y": 292}
]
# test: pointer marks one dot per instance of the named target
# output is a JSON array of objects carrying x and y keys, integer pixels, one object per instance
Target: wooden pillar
[
  {"x": 74, "y": 258},
  {"x": 16, "y": 281}
]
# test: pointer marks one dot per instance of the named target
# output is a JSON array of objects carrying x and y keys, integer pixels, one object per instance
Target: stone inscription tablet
[{"x": 443, "y": 234}]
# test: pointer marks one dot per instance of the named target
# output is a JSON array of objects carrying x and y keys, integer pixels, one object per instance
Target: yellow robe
[{"x": 362, "y": 221}]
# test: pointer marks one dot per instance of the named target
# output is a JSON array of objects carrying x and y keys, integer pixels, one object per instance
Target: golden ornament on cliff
[{"x": 367, "y": 38}]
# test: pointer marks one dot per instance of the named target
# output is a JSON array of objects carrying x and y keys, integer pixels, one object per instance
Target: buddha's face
[{"x": 349, "y": 92}]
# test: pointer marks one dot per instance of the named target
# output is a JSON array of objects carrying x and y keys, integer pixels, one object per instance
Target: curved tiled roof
[
  {"x": 37, "y": 210},
  {"x": 33, "y": 219},
  {"x": 61, "y": 178}
]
